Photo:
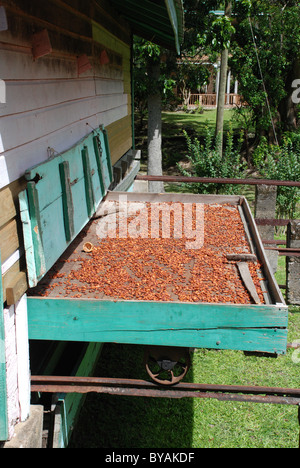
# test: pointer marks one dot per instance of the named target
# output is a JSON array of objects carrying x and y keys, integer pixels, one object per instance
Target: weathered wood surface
[
  {"x": 248, "y": 328},
  {"x": 201, "y": 325},
  {"x": 248, "y": 281},
  {"x": 48, "y": 104},
  {"x": 62, "y": 195},
  {"x": 10, "y": 237}
]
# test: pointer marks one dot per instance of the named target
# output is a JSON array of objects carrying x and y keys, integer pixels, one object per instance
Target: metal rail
[
  {"x": 129, "y": 387},
  {"x": 140, "y": 388},
  {"x": 209, "y": 180},
  {"x": 285, "y": 252}
]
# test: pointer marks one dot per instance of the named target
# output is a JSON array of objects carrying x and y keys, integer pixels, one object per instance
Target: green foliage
[
  {"x": 277, "y": 39},
  {"x": 206, "y": 161},
  {"x": 281, "y": 163},
  {"x": 222, "y": 31}
]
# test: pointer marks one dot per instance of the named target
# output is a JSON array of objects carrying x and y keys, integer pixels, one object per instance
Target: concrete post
[
  {"x": 265, "y": 208},
  {"x": 293, "y": 264}
]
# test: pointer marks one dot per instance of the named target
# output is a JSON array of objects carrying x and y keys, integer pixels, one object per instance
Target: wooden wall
[{"x": 51, "y": 102}]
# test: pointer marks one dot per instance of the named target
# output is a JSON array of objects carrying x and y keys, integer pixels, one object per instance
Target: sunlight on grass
[{"x": 177, "y": 121}]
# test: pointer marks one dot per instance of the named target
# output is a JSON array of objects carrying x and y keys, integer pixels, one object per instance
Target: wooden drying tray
[{"x": 128, "y": 310}]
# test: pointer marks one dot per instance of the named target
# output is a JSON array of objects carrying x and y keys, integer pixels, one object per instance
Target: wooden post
[
  {"x": 3, "y": 389},
  {"x": 293, "y": 264},
  {"x": 265, "y": 208}
]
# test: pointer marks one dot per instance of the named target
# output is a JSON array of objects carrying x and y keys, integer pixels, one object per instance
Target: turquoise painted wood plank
[
  {"x": 36, "y": 229},
  {"x": 94, "y": 167},
  {"x": 53, "y": 187},
  {"x": 108, "y": 173},
  {"x": 247, "y": 328},
  {"x": 68, "y": 207},
  {"x": 99, "y": 155},
  {"x": 89, "y": 190},
  {"x": 27, "y": 236},
  {"x": 3, "y": 389}
]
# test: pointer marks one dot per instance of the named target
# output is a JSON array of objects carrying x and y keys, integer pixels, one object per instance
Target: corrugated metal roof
[{"x": 159, "y": 21}]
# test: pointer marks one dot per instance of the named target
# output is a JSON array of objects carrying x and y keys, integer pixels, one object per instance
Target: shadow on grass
[{"x": 108, "y": 421}]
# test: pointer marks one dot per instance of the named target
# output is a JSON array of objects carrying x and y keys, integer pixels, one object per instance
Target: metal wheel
[{"x": 167, "y": 366}]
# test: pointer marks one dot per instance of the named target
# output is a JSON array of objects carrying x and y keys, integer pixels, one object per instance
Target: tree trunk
[
  {"x": 222, "y": 86},
  {"x": 221, "y": 97},
  {"x": 154, "y": 131}
]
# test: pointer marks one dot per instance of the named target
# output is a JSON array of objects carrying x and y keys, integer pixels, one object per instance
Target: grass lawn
[{"x": 175, "y": 122}]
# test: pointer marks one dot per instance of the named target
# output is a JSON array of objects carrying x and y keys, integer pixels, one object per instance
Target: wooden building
[{"x": 65, "y": 70}]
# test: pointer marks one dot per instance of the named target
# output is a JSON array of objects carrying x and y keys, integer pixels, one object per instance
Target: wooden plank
[
  {"x": 23, "y": 358},
  {"x": 99, "y": 154},
  {"x": 108, "y": 155},
  {"x": 120, "y": 137},
  {"x": 17, "y": 288},
  {"x": 28, "y": 241},
  {"x": 56, "y": 188},
  {"x": 274, "y": 290},
  {"x": 36, "y": 229},
  {"x": 243, "y": 268},
  {"x": 7, "y": 206},
  {"x": 68, "y": 208},
  {"x": 10, "y": 275},
  {"x": 89, "y": 191},
  {"x": 9, "y": 239},
  {"x": 3, "y": 389},
  {"x": 246, "y": 328}
]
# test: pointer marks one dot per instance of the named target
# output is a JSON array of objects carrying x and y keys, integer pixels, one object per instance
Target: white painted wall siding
[{"x": 49, "y": 106}]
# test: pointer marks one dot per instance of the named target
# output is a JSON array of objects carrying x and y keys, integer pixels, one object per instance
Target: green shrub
[
  {"x": 281, "y": 163},
  {"x": 207, "y": 161}
]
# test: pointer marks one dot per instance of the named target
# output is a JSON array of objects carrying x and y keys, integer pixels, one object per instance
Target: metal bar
[
  {"x": 209, "y": 180},
  {"x": 272, "y": 222},
  {"x": 285, "y": 252},
  {"x": 126, "y": 387},
  {"x": 274, "y": 242}
]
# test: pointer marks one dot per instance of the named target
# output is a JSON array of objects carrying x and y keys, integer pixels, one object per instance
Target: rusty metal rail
[
  {"x": 285, "y": 252},
  {"x": 140, "y": 388},
  {"x": 209, "y": 180},
  {"x": 128, "y": 387}
]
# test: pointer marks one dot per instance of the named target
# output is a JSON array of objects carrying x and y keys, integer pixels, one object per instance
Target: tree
[
  {"x": 227, "y": 29},
  {"x": 147, "y": 58},
  {"x": 154, "y": 125},
  {"x": 265, "y": 58}
]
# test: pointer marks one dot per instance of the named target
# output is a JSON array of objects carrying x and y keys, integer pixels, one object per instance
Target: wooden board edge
[{"x": 3, "y": 387}]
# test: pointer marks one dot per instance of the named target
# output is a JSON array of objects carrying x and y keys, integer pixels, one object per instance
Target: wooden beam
[
  {"x": 108, "y": 155},
  {"x": 90, "y": 198},
  {"x": 225, "y": 326},
  {"x": 28, "y": 241},
  {"x": 68, "y": 208},
  {"x": 99, "y": 154},
  {"x": 3, "y": 389},
  {"x": 36, "y": 229},
  {"x": 16, "y": 289},
  {"x": 248, "y": 281}
]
